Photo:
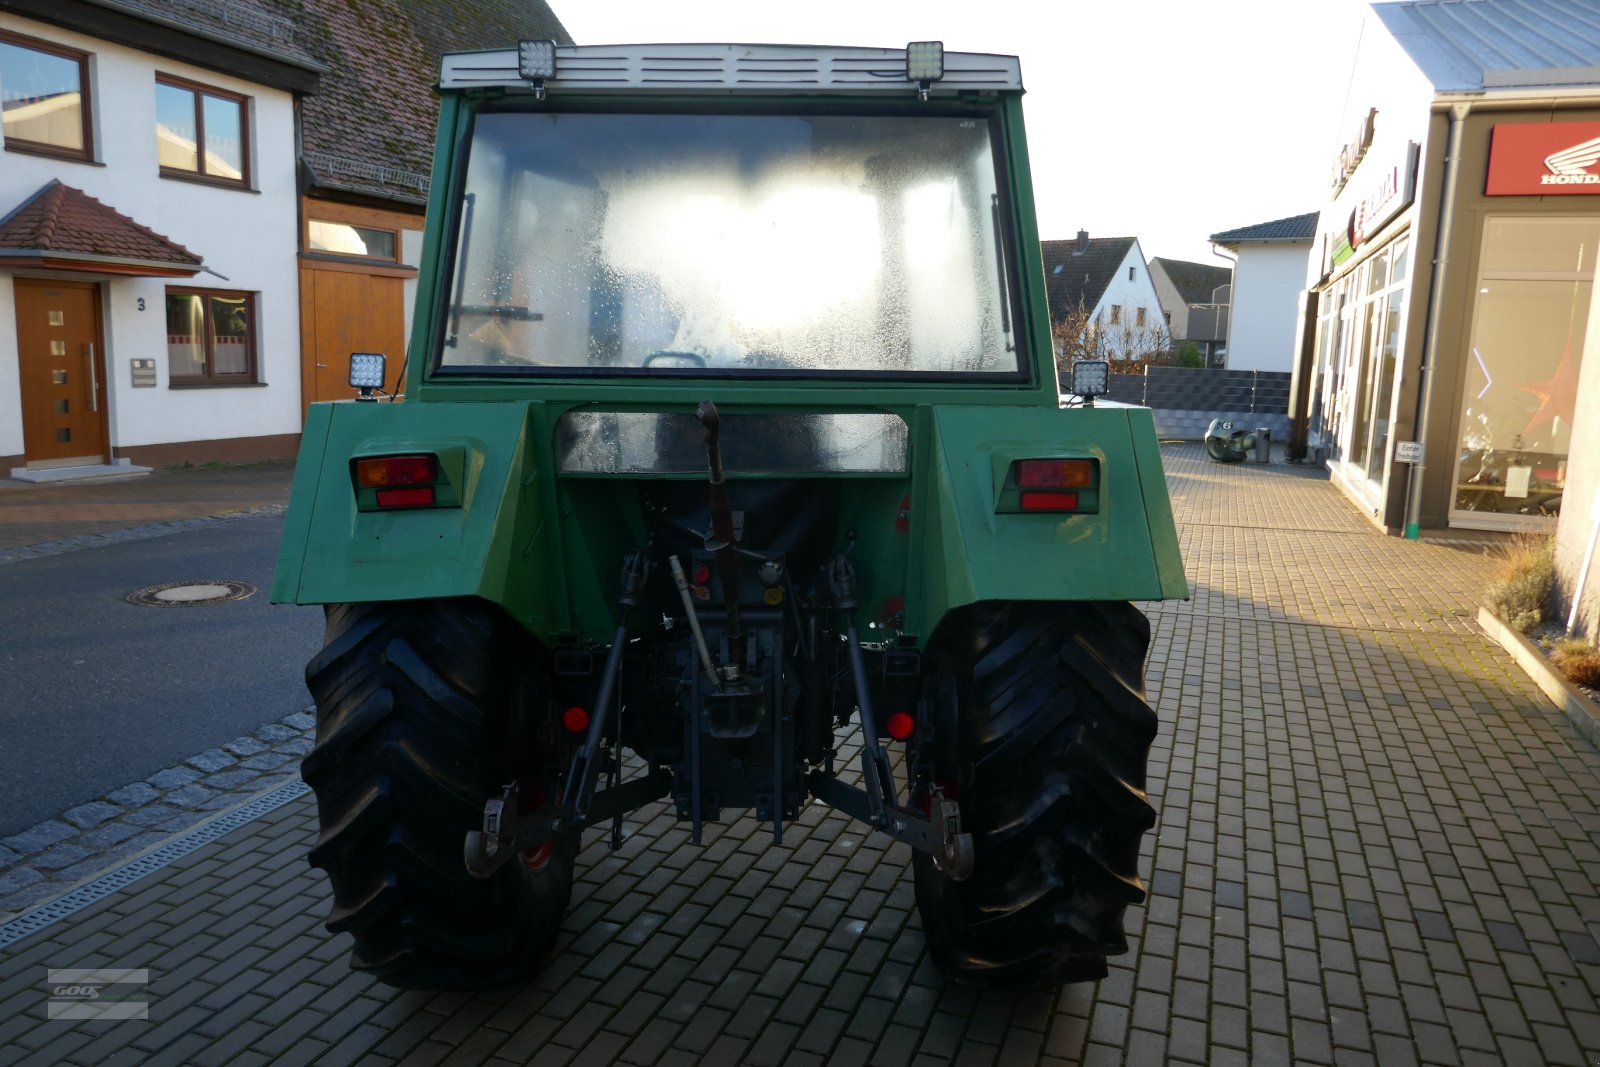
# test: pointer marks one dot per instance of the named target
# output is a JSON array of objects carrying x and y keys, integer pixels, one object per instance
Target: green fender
[
  {"x": 1126, "y": 550},
  {"x": 334, "y": 552}
]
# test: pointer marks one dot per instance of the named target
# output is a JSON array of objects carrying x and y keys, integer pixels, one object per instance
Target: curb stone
[{"x": 48, "y": 858}]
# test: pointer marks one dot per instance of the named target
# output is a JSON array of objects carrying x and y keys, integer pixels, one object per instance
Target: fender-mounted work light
[
  {"x": 1090, "y": 378},
  {"x": 367, "y": 372},
  {"x": 924, "y": 64},
  {"x": 536, "y": 63}
]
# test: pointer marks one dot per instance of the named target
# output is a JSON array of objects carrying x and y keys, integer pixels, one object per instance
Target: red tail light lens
[
  {"x": 900, "y": 725},
  {"x": 1055, "y": 474},
  {"x": 1049, "y": 501},
  {"x": 406, "y": 498},
  {"x": 575, "y": 720},
  {"x": 397, "y": 470}
]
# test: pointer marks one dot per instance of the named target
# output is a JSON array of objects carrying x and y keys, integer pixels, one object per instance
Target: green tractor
[{"x": 731, "y": 439}]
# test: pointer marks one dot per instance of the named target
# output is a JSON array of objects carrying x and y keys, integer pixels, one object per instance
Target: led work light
[
  {"x": 367, "y": 372},
  {"x": 924, "y": 64},
  {"x": 536, "y": 62},
  {"x": 1090, "y": 378}
]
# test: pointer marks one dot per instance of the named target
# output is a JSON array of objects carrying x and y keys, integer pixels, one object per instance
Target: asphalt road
[{"x": 96, "y": 693}]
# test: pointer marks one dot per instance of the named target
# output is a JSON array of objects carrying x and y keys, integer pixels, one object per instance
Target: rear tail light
[
  {"x": 1070, "y": 486},
  {"x": 1049, "y": 501},
  {"x": 406, "y": 498},
  {"x": 384, "y": 471},
  {"x": 900, "y": 725},
  {"x": 1055, "y": 473},
  {"x": 399, "y": 481},
  {"x": 575, "y": 720}
]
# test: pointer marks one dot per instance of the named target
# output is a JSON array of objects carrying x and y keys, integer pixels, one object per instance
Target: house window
[
  {"x": 1139, "y": 317},
  {"x": 344, "y": 239},
  {"x": 210, "y": 337},
  {"x": 44, "y": 98},
  {"x": 1116, "y": 314},
  {"x": 201, "y": 132}
]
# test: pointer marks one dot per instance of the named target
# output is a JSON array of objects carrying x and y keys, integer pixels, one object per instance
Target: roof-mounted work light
[
  {"x": 367, "y": 373},
  {"x": 536, "y": 62},
  {"x": 924, "y": 64},
  {"x": 1090, "y": 378}
]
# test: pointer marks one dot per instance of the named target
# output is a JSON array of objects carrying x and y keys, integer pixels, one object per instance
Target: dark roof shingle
[
  {"x": 1196, "y": 283},
  {"x": 61, "y": 219},
  {"x": 369, "y": 127},
  {"x": 1078, "y": 271},
  {"x": 1293, "y": 228}
]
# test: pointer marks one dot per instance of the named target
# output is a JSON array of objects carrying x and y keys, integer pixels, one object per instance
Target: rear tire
[
  {"x": 1039, "y": 729},
  {"x": 426, "y": 709}
]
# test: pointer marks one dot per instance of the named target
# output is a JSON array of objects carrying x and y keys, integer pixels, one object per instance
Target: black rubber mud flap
[
  {"x": 424, "y": 709},
  {"x": 1041, "y": 731}
]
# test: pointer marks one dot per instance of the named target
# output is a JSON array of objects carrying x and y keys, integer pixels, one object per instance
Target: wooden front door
[
  {"x": 344, "y": 311},
  {"x": 63, "y": 374}
]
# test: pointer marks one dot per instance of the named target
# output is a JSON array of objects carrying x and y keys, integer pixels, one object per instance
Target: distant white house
[
  {"x": 1104, "y": 283},
  {"x": 1268, "y": 276}
]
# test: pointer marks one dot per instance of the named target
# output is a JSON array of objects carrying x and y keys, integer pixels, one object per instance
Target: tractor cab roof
[{"x": 543, "y": 66}]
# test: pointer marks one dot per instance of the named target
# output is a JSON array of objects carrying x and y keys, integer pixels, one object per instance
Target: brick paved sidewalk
[{"x": 1377, "y": 844}]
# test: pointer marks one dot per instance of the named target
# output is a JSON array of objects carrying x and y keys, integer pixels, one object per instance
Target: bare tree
[{"x": 1128, "y": 347}]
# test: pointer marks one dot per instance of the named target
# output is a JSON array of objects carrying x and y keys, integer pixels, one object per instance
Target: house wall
[
  {"x": 1172, "y": 303},
  {"x": 1267, "y": 281},
  {"x": 1130, "y": 294},
  {"x": 247, "y": 236}
]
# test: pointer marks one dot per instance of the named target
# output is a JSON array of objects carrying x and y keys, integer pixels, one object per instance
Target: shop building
[{"x": 1442, "y": 331}]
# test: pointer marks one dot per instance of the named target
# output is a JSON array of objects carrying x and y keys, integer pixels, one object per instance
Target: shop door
[
  {"x": 63, "y": 381},
  {"x": 344, "y": 311}
]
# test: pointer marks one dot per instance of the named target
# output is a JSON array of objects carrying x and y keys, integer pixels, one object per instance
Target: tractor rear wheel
[
  {"x": 426, "y": 709},
  {"x": 1039, "y": 728}
]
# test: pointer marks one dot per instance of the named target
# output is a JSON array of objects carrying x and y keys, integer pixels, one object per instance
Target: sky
[{"x": 1165, "y": 120}]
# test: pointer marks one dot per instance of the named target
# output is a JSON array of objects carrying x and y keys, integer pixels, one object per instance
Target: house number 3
[{"x": 141, "y": 303}]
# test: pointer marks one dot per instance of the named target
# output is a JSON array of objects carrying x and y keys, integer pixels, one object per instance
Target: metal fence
[{"x": 1185, "y": 400}]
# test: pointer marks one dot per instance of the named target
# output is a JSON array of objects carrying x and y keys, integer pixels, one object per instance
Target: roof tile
[
  {"x": 1079, "y": 270},
  {"x": 1197, "y": 283},
  {"x": 376, "y": 108},
  {"x": 1294, "y": 228},
  {"x": 59, "y": 218}
]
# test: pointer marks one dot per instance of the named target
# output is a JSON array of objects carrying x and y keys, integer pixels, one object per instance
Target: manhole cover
[{"x": 190, "y": 594}]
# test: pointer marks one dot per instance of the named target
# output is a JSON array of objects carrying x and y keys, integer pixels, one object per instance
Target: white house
[
  {"x": 148, "y": 235},
  {"x": 1269, "y": 274},
  {"x": 1104, "y": 285}
]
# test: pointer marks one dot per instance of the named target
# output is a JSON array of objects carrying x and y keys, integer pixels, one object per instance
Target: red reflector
[
  {"x": 702, "y": 575},
  {"x": 900, "y": 725},
  {"x": 397, "y": 470},
  {"x": 1055, "y": 473},
  {"x": 406, "y": 498},
  {"x": 1049, "y": 501},
  {"x": 575, "y": 719}
]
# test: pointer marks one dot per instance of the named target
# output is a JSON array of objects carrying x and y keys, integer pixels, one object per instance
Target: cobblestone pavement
[{"x": 1377, "y": 844}]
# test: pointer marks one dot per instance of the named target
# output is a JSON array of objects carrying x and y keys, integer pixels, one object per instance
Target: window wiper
[{"x": 1000, "y": 265}]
